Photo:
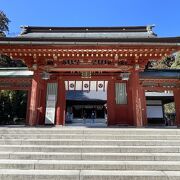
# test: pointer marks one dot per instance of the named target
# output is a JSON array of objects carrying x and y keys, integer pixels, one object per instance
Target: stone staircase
[{"x": 79, "y": 153}]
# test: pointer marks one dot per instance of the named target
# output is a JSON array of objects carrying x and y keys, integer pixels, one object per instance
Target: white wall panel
[{"x": 51, "y": 99}]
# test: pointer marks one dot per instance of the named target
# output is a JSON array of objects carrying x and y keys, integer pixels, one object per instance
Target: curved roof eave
[{"x": 92, "y": 41}]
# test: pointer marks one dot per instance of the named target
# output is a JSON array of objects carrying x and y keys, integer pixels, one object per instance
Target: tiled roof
[{"x": 88, "y": 32}]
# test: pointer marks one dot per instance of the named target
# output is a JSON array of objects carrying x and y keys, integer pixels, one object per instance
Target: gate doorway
[{"x": 86, "y": 103}]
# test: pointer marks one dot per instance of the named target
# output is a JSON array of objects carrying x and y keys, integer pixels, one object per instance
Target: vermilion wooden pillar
[
  {"x": 111, "y": 102},
  {"x": 61, "y": 103},
  {"x": 177, "y": 105},
  {"x": 42, "y": 105},
  {"x": 34, "y": 99},
  {"x": 27, "y": 110},
  {"x": 143, "y": 105},
  {"x": 137, "y": 99}
]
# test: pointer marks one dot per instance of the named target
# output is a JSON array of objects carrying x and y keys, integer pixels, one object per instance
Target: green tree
[
  {"x": 165, "y": 63},
  {"x": 13, "y": 106},
  {"x": 176, "y": 64},
  {"x": 6, "y": 61},
  {"x": 4, "y": 22},
  {"x": 170, "y": 62}
]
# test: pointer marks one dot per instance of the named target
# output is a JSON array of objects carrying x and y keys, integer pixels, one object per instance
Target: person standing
[
  {"x": 93, "y": 116},
  {"x": 84, "y": 116}
]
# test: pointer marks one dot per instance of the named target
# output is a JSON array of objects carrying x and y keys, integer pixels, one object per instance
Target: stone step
[
  {"x": 15, "y": 174},
  {"x": 87, "y": 175},
  {"x": 90, "y": 165},
  {"x": 129, "y": 175},
  {"x": 90, "y": 137},
  {"x": 82, "y": 130},
  {"x": 89, "y": 142},
  {"x": 87, "y": 149},
  {"x": 91, "y": 156}
]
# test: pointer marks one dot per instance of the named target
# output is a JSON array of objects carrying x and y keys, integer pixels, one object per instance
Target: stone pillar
[
  {"x": 34, "y": 100},
  {"x": 61, "y": 103},
  {"x": 177, "y": 105},
  {"x": 137, "y": 99},
  {"x": 111, "y": 102}
]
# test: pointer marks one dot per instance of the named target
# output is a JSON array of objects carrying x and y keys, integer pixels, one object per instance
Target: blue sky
[{"x": 165, "y": 14}]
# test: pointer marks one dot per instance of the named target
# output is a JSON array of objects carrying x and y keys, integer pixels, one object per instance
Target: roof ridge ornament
[
  {"x": 149, "y": 29},
  {"x": 24, "y": 30}
]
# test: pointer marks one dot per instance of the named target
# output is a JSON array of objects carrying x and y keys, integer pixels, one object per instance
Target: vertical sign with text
[{"x": 51, "y": 99}]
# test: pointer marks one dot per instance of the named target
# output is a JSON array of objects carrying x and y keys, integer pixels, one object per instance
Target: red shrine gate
[
  {"x": 116, "y": 61},
  {"x": 119, "y": 99}
]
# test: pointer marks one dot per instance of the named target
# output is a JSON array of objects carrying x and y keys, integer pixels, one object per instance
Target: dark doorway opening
[{"x": 85, "y": 106}]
